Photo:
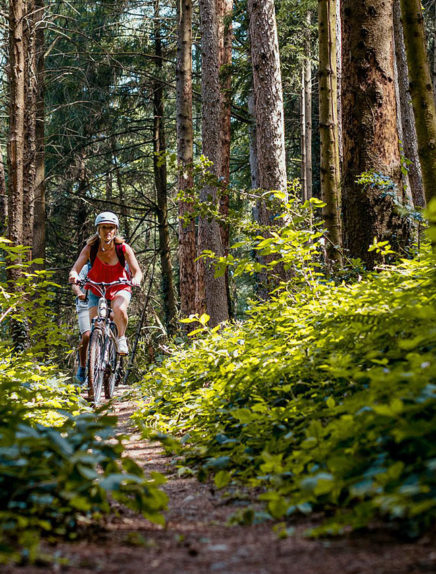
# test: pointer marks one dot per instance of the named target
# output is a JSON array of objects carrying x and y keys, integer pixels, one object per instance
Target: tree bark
[
  {"x": 267, "y": 84},
  {"x": 3, "y": 198},
  {"x": 328, "y": 127},
  {"x": 308, "y": 105},
  {"x": 39, "y": 222},
  {"x": 339, "y": 78},
  {"x": 409, "y": 140},
  {"x": 160, "y": 178},
  {"x": 421, "y": 91},
  {"x": 254, "y": 172},
  {"x": 209, "y": 231},
  {"x": 185, "y": 138},
  {"x": 303, "y": 136},
  {"x": 16, "y": 123},
  {"x": 29, "y": 33},
  {"x": 369, "y": 126},
  {"x": 225, "y": 37},
  {"x": 17, "y": 94}
]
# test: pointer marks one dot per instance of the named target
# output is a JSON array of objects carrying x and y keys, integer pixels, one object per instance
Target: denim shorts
[
  {"x": 93, "y": 299},
  {"x": 83, "y": 318}
]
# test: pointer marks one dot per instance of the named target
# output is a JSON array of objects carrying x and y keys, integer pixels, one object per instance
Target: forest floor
[{"x": 198, "y": 540}]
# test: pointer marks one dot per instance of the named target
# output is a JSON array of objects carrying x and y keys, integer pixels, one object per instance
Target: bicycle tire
[
  {"x": 110, "y": 370},
  {"x": 95, "y": 365}
]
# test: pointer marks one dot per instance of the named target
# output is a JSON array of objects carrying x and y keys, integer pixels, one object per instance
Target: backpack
[{"x": 118, "y": 249}]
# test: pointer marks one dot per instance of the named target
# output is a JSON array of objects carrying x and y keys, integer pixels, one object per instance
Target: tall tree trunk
[
  {"x": 303, "y": 132},
  {"x": 16, "y": 123},
  {"x": 421, "y": 91},
  {"x": 308, "y": 104},
  {"x": 328, "y": 127},
  {"x": 160, "y": 178},
  {"x": 409, "y": 140},
  {"x": 225, "y": 36},
  {"x": 185, "y": 138},
  {"x": 39, "y": 222},
  {"x": 267, "y": 84},
  {"x": 29, "y": 124},
  {"x": 209, "y": 232},
  {"x": 17, "y": 91},
  {"x": 339, "y": 78},
  {"x": 268, "y": 98},
  {"x": 369, "y": 126},
  {"x": 254, "y": 172},
  {"x": 3, "y": 198}
]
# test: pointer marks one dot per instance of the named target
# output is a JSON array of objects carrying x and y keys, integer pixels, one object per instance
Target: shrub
[{"x": 325, "y": 397}]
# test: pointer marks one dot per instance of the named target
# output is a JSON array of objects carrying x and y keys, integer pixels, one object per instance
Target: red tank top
[{"x": 103, "y": 273}]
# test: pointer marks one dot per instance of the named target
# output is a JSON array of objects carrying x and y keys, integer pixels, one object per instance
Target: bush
[
  {"x": 60, "y": 462},
  {"x": 325, "y": 398}
]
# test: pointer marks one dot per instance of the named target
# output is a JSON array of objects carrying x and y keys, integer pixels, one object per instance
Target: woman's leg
[{"x": 119, "y": 307}]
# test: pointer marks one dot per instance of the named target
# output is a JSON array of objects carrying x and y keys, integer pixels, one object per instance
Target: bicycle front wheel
[
  {"x": 95, "y": 365},
  {"x": 110, "y": 370}
]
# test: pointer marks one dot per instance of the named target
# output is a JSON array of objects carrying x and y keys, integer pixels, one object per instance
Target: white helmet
[{"x": 107, "y": 217}]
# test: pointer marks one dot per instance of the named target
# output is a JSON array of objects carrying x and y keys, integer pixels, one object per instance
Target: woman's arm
[
  {"x": 133, "y": 265},
  {"x": 81, "y": 261}
]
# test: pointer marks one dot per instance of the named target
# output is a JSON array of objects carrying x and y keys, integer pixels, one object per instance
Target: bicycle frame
[{"x": 105, "y": 371}]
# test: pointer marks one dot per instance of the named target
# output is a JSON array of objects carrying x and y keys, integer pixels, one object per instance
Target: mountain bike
[{"x": 103, "y": 365}]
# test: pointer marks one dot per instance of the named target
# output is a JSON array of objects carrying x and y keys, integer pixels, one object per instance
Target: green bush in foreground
[
  {"x": 58, "y": 477},
  {"x": 325, "y": 398},
  {"x": 60, "y": 462}
]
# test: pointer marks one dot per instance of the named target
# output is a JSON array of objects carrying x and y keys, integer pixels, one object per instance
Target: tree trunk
[
  {"x": 254, "y": 172},
  {"x": 270, "y": 135},
  {"x": 421, "y": 91},
  {"x": 303, "y": 136},
  {"x": 16, "y": 123},
  {"x": 209, "y": 231},
  {"x": 369, "y": 126},
  {"x": 409, "y": 140},
  {"x": 339, "y": 78},
  {"x": 39, "y": 222},
  {"x": 308, "y": 105},
  {"x": 3, "y": 198},
  {"x": 17, "y": 91},
  {"x": 225, "y": 36},
  {"x": 185, "y": 138},
  {"x": 328, "y": 127},
  {"x": 160, "y": 178},
  {"x": 29, "y": 124},
  {"x": 268, "y": 99}
]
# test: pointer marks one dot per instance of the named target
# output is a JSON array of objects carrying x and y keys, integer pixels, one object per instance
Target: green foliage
[
  {"x": 55, "y": 480},
  {"x": 60, "y": 462},
  {"x": 325, "y": 398}
]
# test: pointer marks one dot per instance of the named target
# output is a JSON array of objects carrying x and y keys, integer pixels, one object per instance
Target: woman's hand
[
  {"x": 136, "y": 281},
  {"x": 73, "y": 277}
]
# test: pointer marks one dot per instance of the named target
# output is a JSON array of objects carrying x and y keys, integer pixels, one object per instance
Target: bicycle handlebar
[{"x": 83, "y": 282}]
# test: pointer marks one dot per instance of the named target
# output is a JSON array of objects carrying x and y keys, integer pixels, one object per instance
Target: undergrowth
[
  {"x": 61, "y": 463},
  {"x": 324, "y": 399}
]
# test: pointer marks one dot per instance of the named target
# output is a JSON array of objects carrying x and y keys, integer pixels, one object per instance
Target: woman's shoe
[{"x": 123, "y": 349}]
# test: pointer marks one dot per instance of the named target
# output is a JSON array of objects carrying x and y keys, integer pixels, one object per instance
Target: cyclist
[
  {"x": 84, "y": 324},
  {"x": 108, "y": 255}
]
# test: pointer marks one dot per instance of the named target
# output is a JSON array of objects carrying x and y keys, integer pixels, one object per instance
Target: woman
[{"x": 104, "y": 250}]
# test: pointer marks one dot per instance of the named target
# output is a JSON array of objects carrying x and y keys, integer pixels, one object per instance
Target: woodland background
[{"x": 273, "y": 167}]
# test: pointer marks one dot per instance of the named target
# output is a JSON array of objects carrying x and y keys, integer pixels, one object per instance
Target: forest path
[{"x": 197, "y": 539}]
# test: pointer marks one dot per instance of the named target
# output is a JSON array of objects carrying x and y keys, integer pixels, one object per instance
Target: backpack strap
[
  {"x": 93, "y": 252},
  {"x": 119, "y": 248}
]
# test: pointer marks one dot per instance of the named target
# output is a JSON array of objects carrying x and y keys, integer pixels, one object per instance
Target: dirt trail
[{"x": 197, "y": 540}]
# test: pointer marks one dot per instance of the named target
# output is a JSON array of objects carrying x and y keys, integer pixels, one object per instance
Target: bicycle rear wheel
[{"x": 95, "y": 365}]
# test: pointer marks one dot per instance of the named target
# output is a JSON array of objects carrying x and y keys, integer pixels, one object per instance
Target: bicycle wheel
[
  {"x": 110, "y": 370},
  {"x": 95, "y": 365}
]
